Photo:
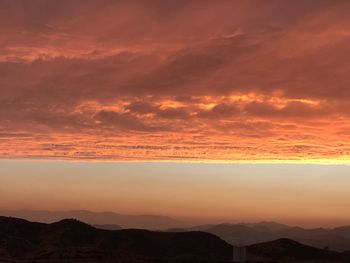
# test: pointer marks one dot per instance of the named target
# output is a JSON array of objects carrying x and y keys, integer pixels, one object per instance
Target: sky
[
  {"x": 201, "y": 107},
  {"x": 303, "y": 194},
  {"x": 175, "y": 80}
]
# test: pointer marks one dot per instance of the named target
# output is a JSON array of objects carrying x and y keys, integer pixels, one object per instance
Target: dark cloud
[
  {"x": 125, "y": 121},
  {"x": 174, "y": 113},
  {"x": 142, "y": 107},
  {"x": 220, "y": 111},
  {"x": 291, "y": 110}
]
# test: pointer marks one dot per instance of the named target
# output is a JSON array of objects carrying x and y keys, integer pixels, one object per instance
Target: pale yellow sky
[{"x": 309, "y": 195}]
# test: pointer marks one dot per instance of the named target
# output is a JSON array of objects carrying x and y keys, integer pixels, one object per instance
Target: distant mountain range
[
  {"x": 69, "y": 241},
  {"x": 337, "y": 239},
  {"x": 151, "y": 222}
]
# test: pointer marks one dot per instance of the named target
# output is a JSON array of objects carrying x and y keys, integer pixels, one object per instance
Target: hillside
[
  {"x": 291, "y": 251},
  {"x": 108, "y": 226},
  {"x": 70, "y": 240}
]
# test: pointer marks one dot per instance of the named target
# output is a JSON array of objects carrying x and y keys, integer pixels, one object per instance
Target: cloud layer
[{"x": 175, "y": 80}]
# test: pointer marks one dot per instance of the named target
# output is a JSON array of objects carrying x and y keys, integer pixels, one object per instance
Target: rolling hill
[
  {"x": 291, "y": 251},
  {"x": 70, "y": 240}
]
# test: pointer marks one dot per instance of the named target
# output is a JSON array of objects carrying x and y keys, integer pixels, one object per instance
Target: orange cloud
[{"x": 191, "y": 80}]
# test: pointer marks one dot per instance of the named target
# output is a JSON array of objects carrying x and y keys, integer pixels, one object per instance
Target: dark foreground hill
[
  {"x": 73, "y": 241},
  {"x": 108, "y": 227},
  {"x": 287, "y": 250}
]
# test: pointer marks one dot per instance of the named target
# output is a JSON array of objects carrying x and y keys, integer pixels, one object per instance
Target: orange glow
[
  {"x": 230, "y": 138},
  {"x": 203, "y": 132},
  {"x": 219, "y": 81}
]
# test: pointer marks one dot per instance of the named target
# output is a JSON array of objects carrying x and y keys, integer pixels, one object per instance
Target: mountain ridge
[
  {"x": 70, "y": 240},
  {"x": 337, "y": 239},
  {"x": 291, "y": 250},
  {"x": 152, "y": 222},
  {"x": 80, "y": 242}
]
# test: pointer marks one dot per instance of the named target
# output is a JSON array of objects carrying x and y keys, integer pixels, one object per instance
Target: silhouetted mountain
[
  {"x": 239, "y": 234},
  {"x": 266, "y": 224},
  {"x": 108, "y": 227},
  {"x": 346, "y": 256},
  {"x": 151, "y": 222},
  {"x": 318, "y": 237},
  {"x": 291, "y": 251},
  {"x": 342, "y": 231},
  {"x": 246, "y": 234},
  {"x": 70, "y": 240}
]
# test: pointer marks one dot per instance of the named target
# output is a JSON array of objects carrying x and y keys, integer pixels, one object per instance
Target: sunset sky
[
  {"x": 175, "y": 80},
  {"x": 303, "y": 194},
  {"x": 168, "y": 89}
]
